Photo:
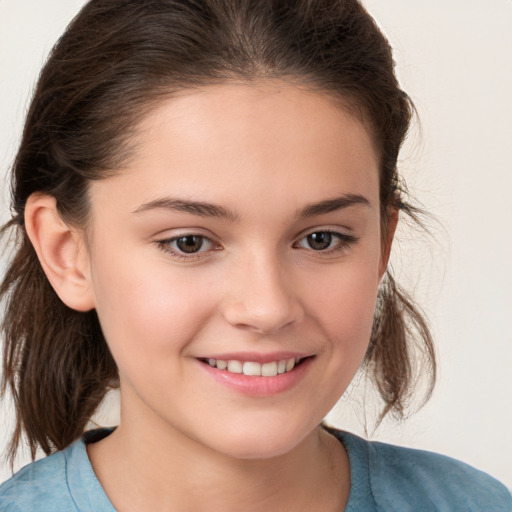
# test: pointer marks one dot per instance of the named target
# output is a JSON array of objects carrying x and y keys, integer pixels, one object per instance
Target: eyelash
[
  {"x": 344, "y": 241},
  {"x": 166, "y": 246}
]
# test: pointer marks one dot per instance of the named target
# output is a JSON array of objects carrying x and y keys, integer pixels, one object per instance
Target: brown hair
[{"x": 114, "y": 62}]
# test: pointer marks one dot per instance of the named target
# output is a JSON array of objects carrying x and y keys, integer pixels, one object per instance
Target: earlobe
[
  {"x": 388, "y": 234},
  {"x": 61, "y": 252}
]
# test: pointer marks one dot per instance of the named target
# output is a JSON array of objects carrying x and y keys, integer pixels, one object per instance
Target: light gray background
[{"x": 455, "y": 59}]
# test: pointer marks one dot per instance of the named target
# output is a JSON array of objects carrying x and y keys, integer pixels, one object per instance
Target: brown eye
[
  {"x": 189, "y": 243},
  {"x": 326, "y": 241},
  {"x": 188, "y": 247},
  {"x": 319, "y": 241}
]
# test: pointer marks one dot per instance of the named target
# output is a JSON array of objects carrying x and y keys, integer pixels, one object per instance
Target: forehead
[
  {"x": 253, "y": 109},
  {"x": 257, "y": 139}
]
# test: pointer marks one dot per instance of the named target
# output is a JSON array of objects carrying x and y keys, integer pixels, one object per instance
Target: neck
[{"x": 173, "y": 472}]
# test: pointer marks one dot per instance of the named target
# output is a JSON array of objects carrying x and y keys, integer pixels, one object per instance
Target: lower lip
[{"x": 259, "y": 386}]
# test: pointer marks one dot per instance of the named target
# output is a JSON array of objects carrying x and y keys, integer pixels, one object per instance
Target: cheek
[
  {"x": 348, "y": 317},
  {"x": 345, "y": 298},
  {"x": 145, "y": 309},
  {"x": 343, "y": 307}
]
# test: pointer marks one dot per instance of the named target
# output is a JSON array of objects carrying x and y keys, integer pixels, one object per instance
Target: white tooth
[
  {"x": 212, "y": 362},
  {"x": 281, "y": 366},
  {"x": 235, "y": 366},
  {"x": 222, "y": 365},
  {"x": 269, "y": 369},
  {"x": 252, "y": 368},
  {"x": 290, "y": 363}
]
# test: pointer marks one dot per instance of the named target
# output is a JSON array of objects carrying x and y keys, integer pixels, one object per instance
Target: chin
[{"x": 259, "y": 443}]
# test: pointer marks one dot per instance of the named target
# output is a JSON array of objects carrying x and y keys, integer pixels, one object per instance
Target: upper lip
[{"x": 256, "y": 357}]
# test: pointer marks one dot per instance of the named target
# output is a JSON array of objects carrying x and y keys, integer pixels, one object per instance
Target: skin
[{"x": 264, "y": 152}]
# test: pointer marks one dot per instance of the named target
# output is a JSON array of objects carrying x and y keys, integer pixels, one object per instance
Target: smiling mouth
[{"x": 255, "y": 369}]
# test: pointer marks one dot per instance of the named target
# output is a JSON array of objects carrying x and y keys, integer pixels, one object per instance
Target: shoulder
[
  {"x": 40, "y": 486},
  {"x": 63, "y": 482},
  {"x": 430, "y": 478},
  {"x": 404, "y": 479}
]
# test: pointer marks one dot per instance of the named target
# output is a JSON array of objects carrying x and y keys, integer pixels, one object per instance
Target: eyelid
[
  {"x": 343, "y": 232},
  {"x": 164, "y": 244},
  {"x": 345, "y": 239}
]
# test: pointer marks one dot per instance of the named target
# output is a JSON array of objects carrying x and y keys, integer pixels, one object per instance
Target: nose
[{"x": 260, "y": 297}]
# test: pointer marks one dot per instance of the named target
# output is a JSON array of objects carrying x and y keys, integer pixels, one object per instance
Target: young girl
[{"x": 204, "y": 199}]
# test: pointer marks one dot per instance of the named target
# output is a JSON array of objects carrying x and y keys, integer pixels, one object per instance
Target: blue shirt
[{"x": 384, "y": 478}]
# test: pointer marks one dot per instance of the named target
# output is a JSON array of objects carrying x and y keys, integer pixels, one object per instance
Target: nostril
[{"x": 263, "y": 320}]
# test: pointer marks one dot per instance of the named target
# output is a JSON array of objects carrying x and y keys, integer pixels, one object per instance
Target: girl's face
[{"x": 243, "y": 236}]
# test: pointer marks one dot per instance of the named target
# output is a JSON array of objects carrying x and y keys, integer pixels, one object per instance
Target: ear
[
  {"x": 61, "y": 251},
  {"x": 388, "y": 233}
]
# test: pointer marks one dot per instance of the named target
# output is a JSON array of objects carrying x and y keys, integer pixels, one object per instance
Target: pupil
[
  {"x": 319, "y": 241},
  {"x": 190, "y": 243}
]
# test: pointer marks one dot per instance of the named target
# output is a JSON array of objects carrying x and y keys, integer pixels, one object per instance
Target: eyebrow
[
  {"x": 204, "y": 209},
  {"x": 200, "y": 208},
  {"x": 332, "y": 205}
]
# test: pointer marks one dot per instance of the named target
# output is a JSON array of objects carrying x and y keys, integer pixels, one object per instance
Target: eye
[
  {"x": 187, "y": 245},
  {"x": 326, "y": 241},
  {"x": 190, "y": 244}
]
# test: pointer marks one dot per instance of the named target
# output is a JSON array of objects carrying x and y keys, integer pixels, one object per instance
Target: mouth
[
  {"x": 258, "y": 375},
  {"x": 254, "y": 368}
]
